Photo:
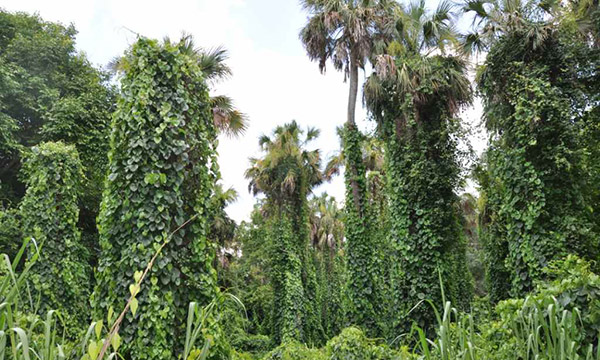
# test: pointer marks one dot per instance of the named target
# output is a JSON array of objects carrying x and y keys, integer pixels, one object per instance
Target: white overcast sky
[{"x": 273, "y": 80}]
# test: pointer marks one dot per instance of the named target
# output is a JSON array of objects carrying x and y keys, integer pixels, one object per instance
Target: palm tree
[
  {"x": 587, "y": 15},
  {"x": 348, "y": 32},
  {"x": 345, "y": 32},
  {"x": 286, "y": 173},
  {"x": 227, "y": 118},
  {"x": 326, "y": 224},
  {"x": 222, "y": 227},
  {"x": 422, "y": 40},
  {"x": 415, "y": 95},
  {"x": 372, "y": 157}
]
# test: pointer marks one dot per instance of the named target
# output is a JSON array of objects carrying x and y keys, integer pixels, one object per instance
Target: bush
[
  {"x": 574, "y": 286},
  {"x": 252, "y": 343},
  {"x": 572, "y": 294},
  {"x": 353, "y": 344},
  {"x": 294, "y": 351}
]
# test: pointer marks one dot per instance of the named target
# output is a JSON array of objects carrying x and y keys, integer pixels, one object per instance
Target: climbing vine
[
  {"x": 288, "y": 291},
  {"x": 327, "y": 234},
  {"x": 536, "y": 189},
  {"x": 49, "y": 214},
  {"x": 364, "y": 281},
  {"x": 419, "y": 127},
  {"x": 162, "y": 168},
  {"x": 285, "y": 174}
]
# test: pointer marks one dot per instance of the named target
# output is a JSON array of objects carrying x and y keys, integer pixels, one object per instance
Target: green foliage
[
  {"x": 574, "y": 286},
  {"x": 364, "y": 282},
  {"x": 468, "y": 207},
  {"x": 353, "y": 344},
  {"x": 162, "y": 167},
  {"x": 535, "y": 194},
  {"x": 286, "y": 174},
  {"x": 294, "y": 351},
  {"x": 248, "y": 277},
  {"x": 331, "y": 277},
  {"x": 526, "y": 330},
  {"x": 24, "y": 335},
  {"x": 50, "y": 92},
  {"x": 49, "y": 212},
  {"x": 203, "y": 323},
  {"x": 327, "y": 234},
  {"x": 302, "y": 267},
  {"x": 10, "y": 231},
  {"x": 495, "y": 250},
  {"x": 423, "y": 169},
  {"x": 222, "y": 227},
  {"x": 288, "y": 300},
  {"x": 558, "y": 321}
]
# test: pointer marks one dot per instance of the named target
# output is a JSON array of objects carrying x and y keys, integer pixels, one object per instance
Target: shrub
[
  {"x": 353, "y": 344},
  {"x": 294, "y": 351},
  {"x": 574, "y": 286},
  {"x": 252, "y": 343}
]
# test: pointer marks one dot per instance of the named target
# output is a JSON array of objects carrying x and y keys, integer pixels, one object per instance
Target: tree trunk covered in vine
[{"x": 362, "y": 291}]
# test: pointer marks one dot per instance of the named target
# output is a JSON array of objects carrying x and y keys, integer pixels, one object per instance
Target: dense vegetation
[{"x": 117, "y": 243}]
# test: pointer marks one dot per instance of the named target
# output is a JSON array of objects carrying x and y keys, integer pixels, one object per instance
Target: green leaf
[
  {"x": 137, "y": 276},
  {"x": 134, "y": 306},
  {"x": 98, "y": 328}
]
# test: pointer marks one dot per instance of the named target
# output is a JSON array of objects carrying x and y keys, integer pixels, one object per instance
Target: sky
[{"x": 273, "y": 80}]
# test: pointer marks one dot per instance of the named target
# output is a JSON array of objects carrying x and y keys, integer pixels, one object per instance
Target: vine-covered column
[
  {"x": 162, "y": 168},
  {"x": 363, "y": 288},
  {"x": 49, "y": 212},
  {"x": 535, "y": 189},
  {"x": 420, "y": 129}
]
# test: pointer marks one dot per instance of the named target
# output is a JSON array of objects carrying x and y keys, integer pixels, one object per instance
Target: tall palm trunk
[
  {"x": 353, "y": 93},
  {"x": 351, "y": 126},
  {"x": 362, "y": 288}
]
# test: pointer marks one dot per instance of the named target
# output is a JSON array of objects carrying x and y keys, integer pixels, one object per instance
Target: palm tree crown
[
  {"x": 347, "y": 33},
  {"x": 326, "y": 224},
  {"x": 287, "y": 167},
  {"x": 343, "y": 30},
  {"x": 417, "y": 64},
  {"x": 493, "y": 18}
]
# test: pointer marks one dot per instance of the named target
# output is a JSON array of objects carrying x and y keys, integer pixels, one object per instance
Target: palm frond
[
  {"x": 212, "y": 63},
  {"x": 227, "y": 118}
]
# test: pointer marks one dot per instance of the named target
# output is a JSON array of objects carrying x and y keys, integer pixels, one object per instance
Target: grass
[
  {"x": 525, "y": 330},
  {"x": 26, "y": 336},
  {"x": 528, "y": 332}
]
